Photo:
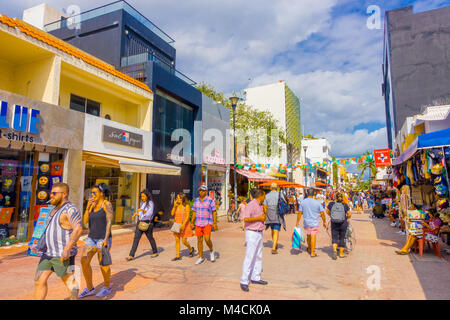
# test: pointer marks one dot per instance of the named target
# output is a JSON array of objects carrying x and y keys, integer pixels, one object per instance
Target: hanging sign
[{"x": 382, "y": 157}]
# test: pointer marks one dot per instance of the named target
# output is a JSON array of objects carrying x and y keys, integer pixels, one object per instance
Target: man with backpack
[
  {"x": 310, "y": 209},
  {"x": 339, "y": 213},
  {"x": 275, "y": 206}
]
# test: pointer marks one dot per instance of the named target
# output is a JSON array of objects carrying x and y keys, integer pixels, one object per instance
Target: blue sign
[{"x": 23, "y": 119}]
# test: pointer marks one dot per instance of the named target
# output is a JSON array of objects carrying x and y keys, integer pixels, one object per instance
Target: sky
[{"x": 323, "y": 49}]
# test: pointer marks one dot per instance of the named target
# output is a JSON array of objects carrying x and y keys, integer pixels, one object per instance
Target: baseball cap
[{"x": 203, "y": 187}]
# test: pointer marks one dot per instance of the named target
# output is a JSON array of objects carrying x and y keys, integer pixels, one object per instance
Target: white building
[
  {"x": 316, "y": 150},
  {"x": 284, "y": 105}
]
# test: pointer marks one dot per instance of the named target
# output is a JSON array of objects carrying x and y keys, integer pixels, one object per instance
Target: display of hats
[
  {"x": 437, "y": 169},
  {"x": 43, "y": 182},
  {"x": 57, "y": 168},
  {"x": 42, "y": 196},
  {"x": 44, "y": 168}
]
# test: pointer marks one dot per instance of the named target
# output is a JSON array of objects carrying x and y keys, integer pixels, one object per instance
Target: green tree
[
  {"x": 248, "y": 118},
  {"x": 368, "y": 165},
  {"x": 335, "y": 172}
]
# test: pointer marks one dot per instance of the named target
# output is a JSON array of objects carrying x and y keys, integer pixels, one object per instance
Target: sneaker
[
  {"x": 192, "y": 252},
  {"x": 393, "y": 224},
  {"x": 104, "y": 292},
  {"x": 86, "y": 292},
  {"x": 213, "y": 256},
  {"x": 200, "y": 260}
]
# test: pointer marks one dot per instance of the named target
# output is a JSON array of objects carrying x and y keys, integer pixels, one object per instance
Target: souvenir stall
[{"x": 421, "y": 179}]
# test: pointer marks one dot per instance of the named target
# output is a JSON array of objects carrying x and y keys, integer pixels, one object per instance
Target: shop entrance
[{"x": 124, "y": 190}]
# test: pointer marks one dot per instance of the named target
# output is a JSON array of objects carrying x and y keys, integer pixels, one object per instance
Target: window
[
  {"x": 325, "y": 149},
  {"x": 84, "y": 105}
]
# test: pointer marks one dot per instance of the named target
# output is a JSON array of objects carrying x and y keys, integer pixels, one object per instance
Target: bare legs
[
  {"x": 200, "y": 244},
  {"x": 86, "y": 259},
  {"x": 177, "y": 244}
]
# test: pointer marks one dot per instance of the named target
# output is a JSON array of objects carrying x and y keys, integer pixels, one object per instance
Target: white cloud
[{"x": 349, "y": 144}]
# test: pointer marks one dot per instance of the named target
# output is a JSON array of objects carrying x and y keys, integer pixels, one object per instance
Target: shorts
[
  {"x": 55, "y": 264},
  {"x": 312, "y": 230},
  {"x": 274, "y": 226},
  {"x": 203, "y": 231},
  {"x": 97, "y": 242}
]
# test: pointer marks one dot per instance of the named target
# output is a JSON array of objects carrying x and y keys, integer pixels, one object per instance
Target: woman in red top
[{"x": 181, "y": 211}]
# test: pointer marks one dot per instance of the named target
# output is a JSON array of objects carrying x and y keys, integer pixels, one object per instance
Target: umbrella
[{"x": 283, "y": 184}]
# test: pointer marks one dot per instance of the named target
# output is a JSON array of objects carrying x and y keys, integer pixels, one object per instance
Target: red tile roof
[{"x": 65, "y": 47}]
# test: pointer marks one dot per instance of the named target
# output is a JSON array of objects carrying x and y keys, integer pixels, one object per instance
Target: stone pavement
[{"x": 291, "y": 274}]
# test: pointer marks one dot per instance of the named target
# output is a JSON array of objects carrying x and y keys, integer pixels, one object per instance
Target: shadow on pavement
[
  {"x": 431, "y": 271},
  {"x": 118, "y": 282},
  {"x": 149, "y": 252},
  {"x": 269, "y": 244}
]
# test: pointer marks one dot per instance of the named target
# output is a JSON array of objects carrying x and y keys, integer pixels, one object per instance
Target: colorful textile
[{"x": 204, "y": 211}]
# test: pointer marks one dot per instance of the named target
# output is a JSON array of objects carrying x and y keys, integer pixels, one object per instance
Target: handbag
[
  {"x": 143, "y": 226},
  {"x": 106, "y": 257},
  {"x": 176, "y": 227}
]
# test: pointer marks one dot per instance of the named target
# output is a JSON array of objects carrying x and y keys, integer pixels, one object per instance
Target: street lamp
[{"x": 234, "y": 101}]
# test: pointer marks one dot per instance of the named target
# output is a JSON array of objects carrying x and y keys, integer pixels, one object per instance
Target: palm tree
[{"x": 368, "y": 165}]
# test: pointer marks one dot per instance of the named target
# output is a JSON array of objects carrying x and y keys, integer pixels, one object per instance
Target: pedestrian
[
  {"x": 254, "y": 218},
  {"x": 310, "y": 209},
  {"x": 181, "y": 212},
  {"x": 205, "y": 217},
  {"x": 292, "y": 203},
  {"x": 339, "y": 213},
  {"x": 240, "y": 213},
  {"x": 146, "y": 223},
  {"x": 58, "y": 244},
  {"x": 99, "y": 216},
  {"x": 274, "y": 219}
]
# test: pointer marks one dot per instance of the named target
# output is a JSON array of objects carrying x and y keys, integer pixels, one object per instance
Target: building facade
[
  {"x": 67, "y": 116},
  {"x": 317, "y": 150},
  {"x": 416, "y": 64},
  {"x": 284, "y": 105},
  {"x": 124, "y": 38}
]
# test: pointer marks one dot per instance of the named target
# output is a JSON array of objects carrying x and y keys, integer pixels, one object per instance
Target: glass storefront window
[
  {"x": 23, "y": 190},
  {"x": 123, "y": 186}
]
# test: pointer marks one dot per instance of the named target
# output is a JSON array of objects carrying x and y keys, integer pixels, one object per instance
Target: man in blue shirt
[{"x": 310, "y": 208}]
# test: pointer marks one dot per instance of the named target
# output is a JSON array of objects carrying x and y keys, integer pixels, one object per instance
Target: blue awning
[{"x": 424, "y": 141}]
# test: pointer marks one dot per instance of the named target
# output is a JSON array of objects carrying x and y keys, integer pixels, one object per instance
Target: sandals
[
  {"x": 154, "y": 255},
  {"x": 402, "y": 253},
  {"x": 191, "y": 253},
  {"x": 129, "y": 258},
  {"x": 176, "y": 259}
]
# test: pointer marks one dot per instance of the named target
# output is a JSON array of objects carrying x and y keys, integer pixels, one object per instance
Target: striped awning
[{"x": 254, "y": 176}]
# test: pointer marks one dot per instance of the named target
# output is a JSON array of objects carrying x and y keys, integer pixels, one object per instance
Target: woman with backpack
[{"x": 339, "y": 213}]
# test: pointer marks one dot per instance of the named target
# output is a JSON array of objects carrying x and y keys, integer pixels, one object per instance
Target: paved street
[{"x": 291, "y": 275}]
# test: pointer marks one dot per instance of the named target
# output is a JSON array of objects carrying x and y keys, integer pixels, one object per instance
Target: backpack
[
  {"x": 283, "y": 207},
  {"x": 338, "y": 213}
]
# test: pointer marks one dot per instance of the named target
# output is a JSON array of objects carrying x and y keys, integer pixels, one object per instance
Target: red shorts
[{"x": 200, "y": 231}]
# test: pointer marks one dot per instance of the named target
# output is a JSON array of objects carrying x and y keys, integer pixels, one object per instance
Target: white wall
[
  {"x": 93, "y": 139},
  {"x": 41, "y": 15}
]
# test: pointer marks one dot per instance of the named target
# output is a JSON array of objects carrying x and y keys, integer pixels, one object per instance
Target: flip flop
[
  {"x": 402, "y": 253},
  {"x": 315, "y": 256}
]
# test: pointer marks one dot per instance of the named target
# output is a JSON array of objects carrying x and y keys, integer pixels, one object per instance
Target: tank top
[
  {"x": 56, "y": 237},
  {"x": 97, "y": 224}
]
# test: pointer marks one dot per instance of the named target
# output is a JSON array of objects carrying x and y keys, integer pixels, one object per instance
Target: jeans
[
  {"x": 137, "y": 236},
  {"x": 338, "y": 231}
]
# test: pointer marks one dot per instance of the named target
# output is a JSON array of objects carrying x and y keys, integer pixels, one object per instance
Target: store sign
[
  {"x": 122, "y": 137},
  {"x": 382, "y": 157},
  {"x": 217, "y": 159},
  {"x": 23, "y": 119}
]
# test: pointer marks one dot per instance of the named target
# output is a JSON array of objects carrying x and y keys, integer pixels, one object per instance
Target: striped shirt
[
  {"x": 56, "y": 237},
  {"x": 204, "y": 211},
  {"x": 147, "y": 214}
]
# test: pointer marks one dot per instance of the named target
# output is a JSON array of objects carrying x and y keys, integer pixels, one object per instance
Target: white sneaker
[
  {"x": 213, "y": 256},
  {"x": 200, "y": 260}
]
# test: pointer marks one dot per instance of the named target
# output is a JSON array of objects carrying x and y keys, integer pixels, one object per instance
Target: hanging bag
[
  {"x": 106, "y": 257},
  {"x": 176, "y": 227},
  {"x": 297, "y": 237}
]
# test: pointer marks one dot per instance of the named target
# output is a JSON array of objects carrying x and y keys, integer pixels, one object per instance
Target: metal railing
[
  {"x": 118, "y": 5},
  {"x": 140, "y": 59}
]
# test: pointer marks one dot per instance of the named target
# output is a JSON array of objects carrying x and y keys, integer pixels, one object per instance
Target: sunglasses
[
  {"x": 94, "y": 192},
  {"x": 53, "y": 193}
]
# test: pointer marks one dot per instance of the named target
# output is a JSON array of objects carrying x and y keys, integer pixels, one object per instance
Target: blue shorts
[
  {"x": 97, "y": 242},
  {"x": 274, "y": 226}
]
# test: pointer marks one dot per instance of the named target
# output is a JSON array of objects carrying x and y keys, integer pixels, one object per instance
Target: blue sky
[{"x": 323, "y": 49}]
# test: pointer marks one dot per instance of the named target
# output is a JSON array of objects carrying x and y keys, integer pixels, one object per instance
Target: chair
[{"x": 420, "y": 242}]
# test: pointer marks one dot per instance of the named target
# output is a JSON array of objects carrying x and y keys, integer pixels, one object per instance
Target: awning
[
  {"x": 436, "y": 113},
  {"x": 320, "y": 184},
  {"x": 425, "y": 141},
  {"x": 254, "y": 176},
  {"x": 130, "y": 164}
]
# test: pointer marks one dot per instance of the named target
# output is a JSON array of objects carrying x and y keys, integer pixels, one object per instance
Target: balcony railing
[
  {"x": 136, "y": 64},
  {"x": 118, "y": 5}
]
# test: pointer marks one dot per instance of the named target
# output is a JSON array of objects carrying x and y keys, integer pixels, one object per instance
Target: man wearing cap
[{"x": 205, "y": 217}]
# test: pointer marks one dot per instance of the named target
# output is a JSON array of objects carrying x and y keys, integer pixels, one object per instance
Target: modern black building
[
  {"x": 416, "y": 63},
  {"x": 119, "y": 35}
]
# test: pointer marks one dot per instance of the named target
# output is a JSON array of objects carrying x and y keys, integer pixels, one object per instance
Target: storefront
[
  {"x": 35, "y": 150},
  {"x": 215, "y": 174},
  {"x": 118, "y": 155}
]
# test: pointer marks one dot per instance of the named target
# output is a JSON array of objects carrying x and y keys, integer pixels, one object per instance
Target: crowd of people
[{"x": 261, "y": 211}]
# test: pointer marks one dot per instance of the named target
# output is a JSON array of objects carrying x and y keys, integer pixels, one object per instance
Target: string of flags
[{"x": 289, "y": 167}]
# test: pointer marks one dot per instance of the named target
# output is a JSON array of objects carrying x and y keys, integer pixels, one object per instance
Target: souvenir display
[
  {"x": 8, "y": 183},
  {"x": 42, "y": 197},
  {"x": 25, "y": 183},
  {"x": 27, "y": 168},
  {"x": 43, "y": 182},
  {"x": 9, "y": 167},
  {"x": 54, "y": 179},
  {"x": 57, "y": 168},
  {"x": 44, "y": 168}
]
